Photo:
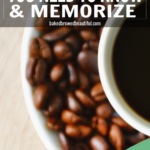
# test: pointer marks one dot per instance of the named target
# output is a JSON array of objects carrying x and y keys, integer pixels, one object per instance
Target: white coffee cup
[{"x": 105, "y": 69}]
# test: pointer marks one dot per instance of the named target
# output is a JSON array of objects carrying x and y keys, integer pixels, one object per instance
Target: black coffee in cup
[{"x": 131, "y": 66}]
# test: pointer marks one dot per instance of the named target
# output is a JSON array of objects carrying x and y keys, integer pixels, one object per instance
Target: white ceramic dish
[
  {"x": 105, "y": 68},
  {"x": 48, "y": 137}
]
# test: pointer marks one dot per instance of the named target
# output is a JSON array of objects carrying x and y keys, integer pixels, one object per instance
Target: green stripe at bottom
[{"x": 145, "y": 145}]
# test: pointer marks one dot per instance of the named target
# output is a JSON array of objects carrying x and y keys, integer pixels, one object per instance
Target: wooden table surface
[{"x": 16, "y": 129}]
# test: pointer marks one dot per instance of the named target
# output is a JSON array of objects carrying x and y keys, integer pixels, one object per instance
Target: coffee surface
[{"x": 131, "y": 68}]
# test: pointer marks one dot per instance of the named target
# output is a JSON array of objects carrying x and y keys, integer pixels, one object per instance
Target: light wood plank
[{"x": 16, "y": 129}]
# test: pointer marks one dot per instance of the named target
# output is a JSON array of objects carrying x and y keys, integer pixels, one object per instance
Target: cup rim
[{"x": 108, "y": 83}]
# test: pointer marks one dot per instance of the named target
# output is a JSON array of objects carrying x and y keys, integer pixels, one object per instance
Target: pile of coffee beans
[{"x": 63, "y": 71}]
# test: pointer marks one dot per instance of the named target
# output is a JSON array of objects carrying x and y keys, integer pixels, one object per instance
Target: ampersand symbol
[{"x": 15, "y": 12}]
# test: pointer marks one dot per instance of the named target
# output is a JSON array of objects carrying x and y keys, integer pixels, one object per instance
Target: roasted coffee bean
[
  {"x": 75, "y": 42},
  {"x": 97, "y": 142},
  {"x": 57, "y": 72},
  {"x": 57, "y": 34},
  {"x": 97, "y": 93},
  {"x": 40, "y": 71},
  {"x": 88, "y": 61},
  {"x": 116, "y": 137},
  {"x": 55, "y": 106},
  {"x": 84, "y": 99},
  {"x": 122, "y": 124},
  {"x": 83, "y": 80},
  {"x": 81, "y": 146},
  {"x": 62, "y": 51},
  {"x": 136, "y": 138},
  {"x": 73, "y": 79},
  {"x": 30, "y": 71},
  {"x": 95, "y": 78},
  {"x": 105, "y": 110},
  {"x": 86, "y": 46},
  {"x": 100, "y": 124},
  {"x": 42, "y": 29},
  {"x": 62, "y": 84},
  {"x": 41, "y": 24},
  {"x": 94, "y": 122},
  {"x": 40, "y": 48},
  {"x": 73, "y": 103},
  {"x": 65, "y": 142},
  {"x": 41, "y": 95},
  {"x": 46, "y": 113},
  {"x": 71, "y": 118},
  {"x": 78, "y": 131},
  {"x": 36, "y": 71},
  {"x": 55, "y": 124},
  {"x": 88, "y": 35},
  {"x": 93, "y": 45}
]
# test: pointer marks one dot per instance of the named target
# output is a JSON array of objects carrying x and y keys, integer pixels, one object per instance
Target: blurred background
[{"x": 16, "y": 129}]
